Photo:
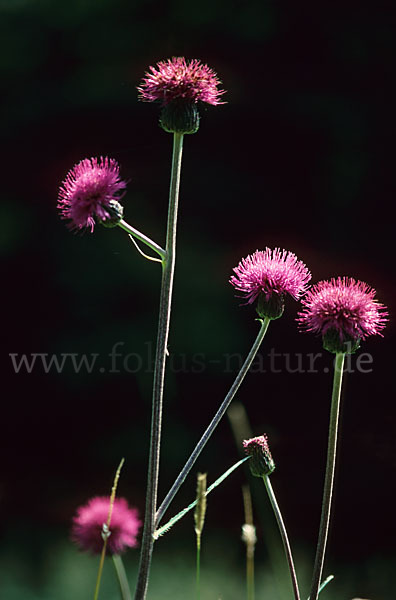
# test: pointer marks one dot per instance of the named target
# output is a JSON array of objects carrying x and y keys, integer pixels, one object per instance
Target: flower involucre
[
  {"x": 88, "y": 523},
  {"x": 269, "y": 275},
  {"x": 176, "y": 79},
  {"x": 343, "y": 307},
  {"x": 261, "y": 461},
  {"x": 90, "y": 193}
]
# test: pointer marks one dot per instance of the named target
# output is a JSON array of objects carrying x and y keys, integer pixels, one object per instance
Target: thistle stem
[
  {"x": 143, "y": 238},
  {"x": 285, "y": 539},
  {"x": 329, "y": 477},
  {"x": 122, "y": 578},
  {"x": 168, "y": 267},
  {"x": 215, "y": 421}
]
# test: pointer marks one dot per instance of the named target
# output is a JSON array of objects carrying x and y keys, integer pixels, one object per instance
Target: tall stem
[
  {"x": 215, "y": 421},
  {"x": 329, "y": 478},
  {"x": 284, "y": 537},
  {"x": 159, "y": 371}
]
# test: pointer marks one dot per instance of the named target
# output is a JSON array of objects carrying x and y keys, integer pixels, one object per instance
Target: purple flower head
[
  {"x": 343, "y": 311},
  {"x": 90, "y": 193},
  {"x": 179, "y": 86},
  {"x": 177, "y": 79},
  {"x": 261, "y": 462},
  {"x": 269, "y": 275},
  {"x": 88, "y": 523}
]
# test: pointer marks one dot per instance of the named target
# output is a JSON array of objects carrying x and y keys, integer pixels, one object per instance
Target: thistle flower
[
  {"x": 90, "y": 194},
  {"x": 268, "y": 276},
  {"x": 179, "y": 85},
  {"x": 261, "y": 462},
  {"x": 88, "y": 523},
  {"x": 344, "y": 311}
]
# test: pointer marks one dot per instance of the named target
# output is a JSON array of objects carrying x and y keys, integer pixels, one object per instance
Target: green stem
[
  {"x": 285, "y": 539},
  {"x": 215, "y": 421},
  {"x": 143, "y": 238},
  {"x": 329, "y": 477},
  {"x": 198, "y": 573},
  {"x": 122, "y": 578},
  {"x": 100, "y": 570},
  {"x": 168, "y": 267},
  {"x": 165, "y": 528}
]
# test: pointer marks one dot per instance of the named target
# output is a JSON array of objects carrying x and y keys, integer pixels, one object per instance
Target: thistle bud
[{"x": 261, "y": 462}]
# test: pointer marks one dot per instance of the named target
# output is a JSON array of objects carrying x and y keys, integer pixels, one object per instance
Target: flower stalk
[
  {"x": 135, "y": 233},
  {"x": 168, "y": 267},
  {"x": 215, "y": 421},
  {"x": 283, "y": 532},
  {"x": 329, "y": 477}
]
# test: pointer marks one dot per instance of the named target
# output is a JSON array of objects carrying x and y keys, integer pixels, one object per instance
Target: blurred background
[{"x": 300, "y": 157}]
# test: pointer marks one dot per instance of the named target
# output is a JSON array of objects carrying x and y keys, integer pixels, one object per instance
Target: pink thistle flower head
[
  {"x": 344, "y": 311},
  {"x": 90, "y": 194},
  {"x": 88, "y": 524},
  {"x": 261, "y": 462},
  {"x": 179, "y": 85},
  {"x": 268, "y": 276}
]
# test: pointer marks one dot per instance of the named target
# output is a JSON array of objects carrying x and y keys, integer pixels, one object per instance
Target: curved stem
[
  {"x": 122, "y": 578},
  {"x": 168, "y": 267},
  {"x": 284, "y": 537},
  {"x": 143, "y": 238},
  {"x": 215, "y": 421},
  {"x": 329, "y": 477},
  {"x": 165, "y": 528}
]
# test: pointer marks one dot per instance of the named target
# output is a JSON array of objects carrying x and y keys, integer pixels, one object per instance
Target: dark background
[{"x": 300, "y": 157}]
